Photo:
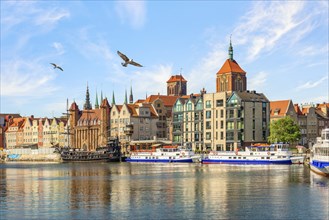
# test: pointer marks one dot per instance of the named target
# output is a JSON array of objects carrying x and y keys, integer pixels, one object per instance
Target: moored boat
[
  {"x": 165, "y": 154},
  {"x": 109, "y": 153},
  {"x": 255, "y": 154},
  {"x": 319, "y": 159}
]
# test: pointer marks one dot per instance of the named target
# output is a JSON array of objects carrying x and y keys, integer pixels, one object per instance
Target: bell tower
[{"x": 231, "y": 77}]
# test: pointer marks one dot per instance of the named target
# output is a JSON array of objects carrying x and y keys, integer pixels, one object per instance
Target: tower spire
[
  {"x": 101, "y": 96},
  {"x": 96, "y": 101},
  {"x": 125, "y": 102},
  {"x": 87, "y": 105},
  {"x": 230, "y": 50},
  {"x": 131, "y": 98},
  {"x": 113, "y": 98}
]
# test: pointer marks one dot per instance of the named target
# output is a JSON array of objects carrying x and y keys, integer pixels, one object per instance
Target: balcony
[{"x": 129, "y": 129}]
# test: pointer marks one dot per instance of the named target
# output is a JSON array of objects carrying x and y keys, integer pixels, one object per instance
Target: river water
[{"x": 161, "y": 191}]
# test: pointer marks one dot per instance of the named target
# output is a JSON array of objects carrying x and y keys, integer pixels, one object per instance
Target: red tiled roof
[
  {"x": 168, "y": 101},
  {"x": 105, "y": 103},
  {"x": 305, "y": 110},
  {"x": 16, "y": 122},
  {"x": 231, "y": 66},
  {"x": 323, "y": 105},
  {"x": 132, "y": 109},
  {"x": 279, "y": 108},
  {"x": 297, "y": 109},
  {"x": 140, "y": 101},
  {"x": 91, "y": 114},
  {"x": 176, "y": 78},
  {"x": 74, "y": 106}
]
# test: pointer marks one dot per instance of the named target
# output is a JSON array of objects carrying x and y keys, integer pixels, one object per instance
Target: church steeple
[
  {"x": 101, "y": 96},
  {"x": 230, "y": 50},
  {"x": 96, "y": 101},
  {"x": 87, "y": 105},
  {"x": 113, "y": 98},
  {"x": 125, "y": 102},
  {"x": 131, "y": 98}
]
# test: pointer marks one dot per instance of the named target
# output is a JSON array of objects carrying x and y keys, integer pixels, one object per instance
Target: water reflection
[{"x": 161, "y": 191}]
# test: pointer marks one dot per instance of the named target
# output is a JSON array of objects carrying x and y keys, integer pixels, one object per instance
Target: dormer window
[{"x": 276, "y": 111}]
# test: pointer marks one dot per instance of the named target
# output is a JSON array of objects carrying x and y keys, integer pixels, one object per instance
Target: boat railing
[{"x": 148, "y": 150}]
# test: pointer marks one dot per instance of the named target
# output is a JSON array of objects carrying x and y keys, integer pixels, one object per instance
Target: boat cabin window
[
  {"x": 229, "y": 157},
  {"x": 244, "y": 158},
  {"x": 267, "y": 157},
  {"x": 262, "y": 158}
]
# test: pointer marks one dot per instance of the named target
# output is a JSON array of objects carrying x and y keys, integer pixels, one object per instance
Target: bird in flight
[
  {"x": 56, "y": 66},
  {"x": 127, "y": 60}
]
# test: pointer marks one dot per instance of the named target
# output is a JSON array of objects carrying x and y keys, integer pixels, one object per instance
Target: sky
[{"x": 282, "y": 45}]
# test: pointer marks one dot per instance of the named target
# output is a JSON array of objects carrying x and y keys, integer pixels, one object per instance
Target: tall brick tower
[
  {"x": 105, "y": 122},
  {"x": 74, "y": 114},
  {"x": 176, "y": 86},
  {"x": 231, "y": 77}
]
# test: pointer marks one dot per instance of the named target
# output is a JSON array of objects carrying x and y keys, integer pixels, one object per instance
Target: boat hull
[
  {"x": 320, "y": 167},
  {"x": 86, "y": 156},
  {"x": 188, "y": 160},
  {"x": 216, "y": 161}
]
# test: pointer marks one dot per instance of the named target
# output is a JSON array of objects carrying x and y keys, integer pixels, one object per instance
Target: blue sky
[{"x": 282, "y": 45}]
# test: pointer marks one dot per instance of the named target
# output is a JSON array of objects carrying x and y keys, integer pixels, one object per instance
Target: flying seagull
[
  {"x": 127, "y": 60},
  {"x": 56, "y": 66}
]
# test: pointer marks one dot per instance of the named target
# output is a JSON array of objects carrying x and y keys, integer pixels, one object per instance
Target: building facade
[
  {"x": 131, "y": 122},
  {"x": 89, "y": 128},
  {"x": 247, "y": 119}
]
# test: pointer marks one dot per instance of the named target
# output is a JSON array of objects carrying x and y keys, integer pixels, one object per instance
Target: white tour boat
[
  {"x": 319, "y": 160},
  {"x": 255, "y": 154},
  {"x": 165, "y": 154}
]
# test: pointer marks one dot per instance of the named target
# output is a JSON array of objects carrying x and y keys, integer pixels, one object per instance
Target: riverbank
[
  {"x": 54, "y": 157},
  {"x": 29, "y": 155}
]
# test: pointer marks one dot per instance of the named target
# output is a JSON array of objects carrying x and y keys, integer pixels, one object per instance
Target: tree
[{"x": 284, "y": 130}]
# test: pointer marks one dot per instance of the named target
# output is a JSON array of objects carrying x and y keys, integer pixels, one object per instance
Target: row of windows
[{"x": 178, "y": 107}]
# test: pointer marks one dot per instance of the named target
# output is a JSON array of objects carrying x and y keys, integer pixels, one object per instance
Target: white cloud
[
  {"x": 144, "y": 80},
  {"x": 313, "y": 50},
  {"x": 30, "y": 13},
  {"x": 268, "y": 22},
  {"x": 58, "y": 47},
  {"x": 92, "y": 48},
  {"x": 20, "y": 78},
  {"x": 258, "y": 82},
  {"x": 132, "y": 12},
  {"x": 49, "y": 17},
  {"x": 310, "y": 84},
  {"x": 204, "y": 73}
]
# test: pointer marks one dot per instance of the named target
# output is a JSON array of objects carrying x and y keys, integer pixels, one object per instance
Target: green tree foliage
[{"x": 284, "y": 130}]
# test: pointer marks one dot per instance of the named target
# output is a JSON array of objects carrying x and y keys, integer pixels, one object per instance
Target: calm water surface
[{"x": 161, "y": 191}]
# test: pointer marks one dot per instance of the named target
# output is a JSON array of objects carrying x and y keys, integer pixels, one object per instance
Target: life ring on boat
[
  {"x": 183, "y": 153},
  {"x": 268, "y": 153},
  {"x": 111, "y": 155}
]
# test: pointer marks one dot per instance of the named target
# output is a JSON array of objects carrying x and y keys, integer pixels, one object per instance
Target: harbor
[{"x": 143, "y": 191}]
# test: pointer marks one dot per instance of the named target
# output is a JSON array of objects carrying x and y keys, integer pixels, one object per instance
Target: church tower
[
  {"x": 231, "y": 77},
  {"x": 176, "y": 86}
]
